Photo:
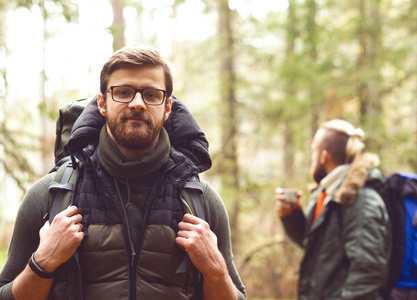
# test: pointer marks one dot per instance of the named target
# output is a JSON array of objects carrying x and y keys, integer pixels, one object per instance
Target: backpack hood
[{"x": 184, "y": 133}]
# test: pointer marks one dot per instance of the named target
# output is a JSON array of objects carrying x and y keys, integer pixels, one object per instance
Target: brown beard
[
  {"x": 319, "y": 173},
  {"x": 133, "y": 135}
]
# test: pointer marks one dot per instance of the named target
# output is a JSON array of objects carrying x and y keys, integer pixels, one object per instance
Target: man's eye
[
  {"x": 151, "y": 95},
  {"x": 124, "y": 93}
]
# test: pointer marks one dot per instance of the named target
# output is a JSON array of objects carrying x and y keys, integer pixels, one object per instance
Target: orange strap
[{"x": 319, "y": 204}]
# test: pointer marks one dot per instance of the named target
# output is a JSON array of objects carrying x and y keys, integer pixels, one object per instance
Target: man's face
[
  {"x": 317, "y": 169},
  {"x": 135, "y": 125}
]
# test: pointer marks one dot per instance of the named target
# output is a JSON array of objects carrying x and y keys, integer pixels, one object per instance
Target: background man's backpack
[{"x": 400, "y": 197}]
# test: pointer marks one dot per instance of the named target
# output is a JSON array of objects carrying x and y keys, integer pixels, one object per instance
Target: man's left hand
[{"x": 196, "y": 238}]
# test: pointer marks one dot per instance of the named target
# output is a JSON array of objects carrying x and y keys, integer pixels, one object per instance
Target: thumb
[{"x": 44, "y": 228}]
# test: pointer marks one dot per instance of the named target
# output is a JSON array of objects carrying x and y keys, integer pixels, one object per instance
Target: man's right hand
[
  {"x": 285, "y": 208},
  {"x": 59, "y": 240}
]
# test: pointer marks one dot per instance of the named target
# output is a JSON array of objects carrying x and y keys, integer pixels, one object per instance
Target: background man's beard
[{"x": 319, "y": 173}]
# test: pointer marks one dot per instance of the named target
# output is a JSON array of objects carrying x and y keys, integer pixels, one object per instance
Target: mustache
[{"x": 136, "y": 115}]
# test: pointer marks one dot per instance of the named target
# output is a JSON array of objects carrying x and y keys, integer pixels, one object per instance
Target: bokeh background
[{"x": 259, "y": 76}]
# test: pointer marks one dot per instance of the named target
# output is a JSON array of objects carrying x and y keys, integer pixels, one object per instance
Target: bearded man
[
  {"x": 136, "y": 147},
  {"x": 345, "y": 231}
]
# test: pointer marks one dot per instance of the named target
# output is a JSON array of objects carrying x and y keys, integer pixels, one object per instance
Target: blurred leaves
[
  {"x": 294, "y": 68},
  {"x": 12, "y": 159}
]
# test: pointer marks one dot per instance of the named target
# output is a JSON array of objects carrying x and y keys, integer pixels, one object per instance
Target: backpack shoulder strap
[
  {"x": 192, "y": 195},
  {"x": 192, "y": 198},
  {"x": 61, "y": 188},
  {"x": 60, "y": 197}
]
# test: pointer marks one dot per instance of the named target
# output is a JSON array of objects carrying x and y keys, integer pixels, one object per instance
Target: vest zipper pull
[{"x": 133, "y": 259}]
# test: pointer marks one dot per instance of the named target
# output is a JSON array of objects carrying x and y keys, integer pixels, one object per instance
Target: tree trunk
[
  {"x": 289, "y": 131},
  {"x": 118, "y": 26},
  {"x": 369, "y": 91},
  {"x": 229, "y": 123},
  {"x": 3, "y": 49},
  {"x": 315, "y": 95},
  {"x": 48, "y": 132}
]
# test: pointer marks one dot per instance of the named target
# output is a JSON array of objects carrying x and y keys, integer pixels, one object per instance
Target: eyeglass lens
[{"x": 127, "y": 94}]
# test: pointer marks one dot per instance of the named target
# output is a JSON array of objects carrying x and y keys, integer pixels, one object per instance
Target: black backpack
[
  {"x": 65, "y": 167},
  {"x": 61, "y": 191}
]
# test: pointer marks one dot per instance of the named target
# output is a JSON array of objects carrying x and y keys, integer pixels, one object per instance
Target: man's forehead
[{"x": 133, "y": 74}]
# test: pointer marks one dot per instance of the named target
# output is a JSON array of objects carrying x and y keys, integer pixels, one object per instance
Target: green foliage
[
  {"x": 69, "y": 10},
  {"x": 3, "y": 256},
  {"x": 65, "y": 8},
  {"x": 18, "y": 143},
  {"x": 294, "y": 69},
  {"x": 13, "y": 155}
]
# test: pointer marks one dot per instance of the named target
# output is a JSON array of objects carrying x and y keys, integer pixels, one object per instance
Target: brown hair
[
  {"x": 342, "y": 140},
  {"x": 135, "y": 56}
]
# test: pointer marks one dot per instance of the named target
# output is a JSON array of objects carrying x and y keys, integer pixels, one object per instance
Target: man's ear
[
  {"x": 101, "y": 104},
  {"x": 168, "y": 108},
  {"x": 324, "y": 156}
]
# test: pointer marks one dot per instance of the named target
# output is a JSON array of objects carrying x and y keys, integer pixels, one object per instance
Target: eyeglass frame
[{"x": 134, "y": 95}]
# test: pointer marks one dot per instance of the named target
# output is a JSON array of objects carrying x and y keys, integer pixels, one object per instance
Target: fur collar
[{"x": 356, "y": 177}]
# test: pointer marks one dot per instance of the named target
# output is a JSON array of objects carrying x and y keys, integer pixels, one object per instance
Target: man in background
[{"x": 345, "y": 232}]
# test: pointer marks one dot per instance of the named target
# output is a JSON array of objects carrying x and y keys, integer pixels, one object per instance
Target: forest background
[{"x": 259, "y": 77}]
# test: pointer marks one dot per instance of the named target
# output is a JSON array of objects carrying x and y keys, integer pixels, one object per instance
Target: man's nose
[{"x": 137, "y": 103}]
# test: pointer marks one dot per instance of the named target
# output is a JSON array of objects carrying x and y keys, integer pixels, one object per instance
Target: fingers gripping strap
[{"x": 63, "y": 186}]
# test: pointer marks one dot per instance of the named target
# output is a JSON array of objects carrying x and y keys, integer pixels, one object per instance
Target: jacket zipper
[
  {"x": 129, "y": 244},
  {"x": 132, "y": 273},
  {"x": 133, "y": 255},
  {"x": 149, "y": 201},
  {"x": 148, "y": 206},
  {"x": 132, "y": 249}
]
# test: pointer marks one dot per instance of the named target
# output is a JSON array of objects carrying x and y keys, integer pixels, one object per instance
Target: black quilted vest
[{"x": 111, "y": 267}]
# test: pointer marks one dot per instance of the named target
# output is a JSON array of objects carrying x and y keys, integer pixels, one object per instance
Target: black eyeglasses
[{"x": 125, "y": 94}]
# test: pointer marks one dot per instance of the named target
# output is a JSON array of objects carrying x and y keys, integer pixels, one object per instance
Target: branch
[{"x": 259, "y": 248}]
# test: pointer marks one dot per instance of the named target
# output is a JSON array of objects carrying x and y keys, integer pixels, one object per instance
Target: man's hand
[
  {"x": 196, "y": 238},
  {"x": 285, "y": 208},
  {"x": 58, "y": 243},
  {"x": 59, "y": 240}
]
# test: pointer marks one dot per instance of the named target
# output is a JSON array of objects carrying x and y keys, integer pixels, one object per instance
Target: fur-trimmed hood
[{"x": 361, "y": 172}]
